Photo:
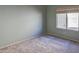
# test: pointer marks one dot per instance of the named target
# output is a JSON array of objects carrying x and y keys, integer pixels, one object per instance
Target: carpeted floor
[{"x": 43, "y": 44}]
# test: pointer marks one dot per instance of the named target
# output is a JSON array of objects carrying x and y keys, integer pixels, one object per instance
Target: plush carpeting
[{"x": 43, "y": 44}]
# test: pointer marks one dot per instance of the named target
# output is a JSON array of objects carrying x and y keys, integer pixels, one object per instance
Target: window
[
  {"x": 68, "y": 21},
  {"x": 72, "y": 22},
  {"x": 61, "y": 20}
]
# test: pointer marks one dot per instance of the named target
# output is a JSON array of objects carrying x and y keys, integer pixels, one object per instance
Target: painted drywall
[
  {"x": 18, "y": 22},
  {"x": 44, "y": 19},
  {"x": 51, "y": 25}
]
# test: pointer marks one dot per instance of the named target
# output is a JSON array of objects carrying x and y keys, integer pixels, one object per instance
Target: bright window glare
[
  {"x": 68, "y": 21},
  {"x": 61, "y": 20},
  {"x": 72, "y": 21}
]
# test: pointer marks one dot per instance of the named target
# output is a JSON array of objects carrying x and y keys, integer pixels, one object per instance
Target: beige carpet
[{"x": 43, "y": 44}]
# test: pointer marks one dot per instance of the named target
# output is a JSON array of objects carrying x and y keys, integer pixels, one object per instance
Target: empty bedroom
[{"x": 39, "y": 29}]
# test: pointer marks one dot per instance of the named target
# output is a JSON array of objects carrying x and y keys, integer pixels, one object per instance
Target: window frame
[
  {"x": 67, "y": 21},
  {"x": 73, "y": 27},
  {"x": 57, "y": 21}
]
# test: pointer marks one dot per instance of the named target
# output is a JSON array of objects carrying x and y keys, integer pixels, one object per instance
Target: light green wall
[
  {"x": 18, "y": 22},
  {"x": 44, "y": 19},
  {"x": 51, "y": 25}
]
